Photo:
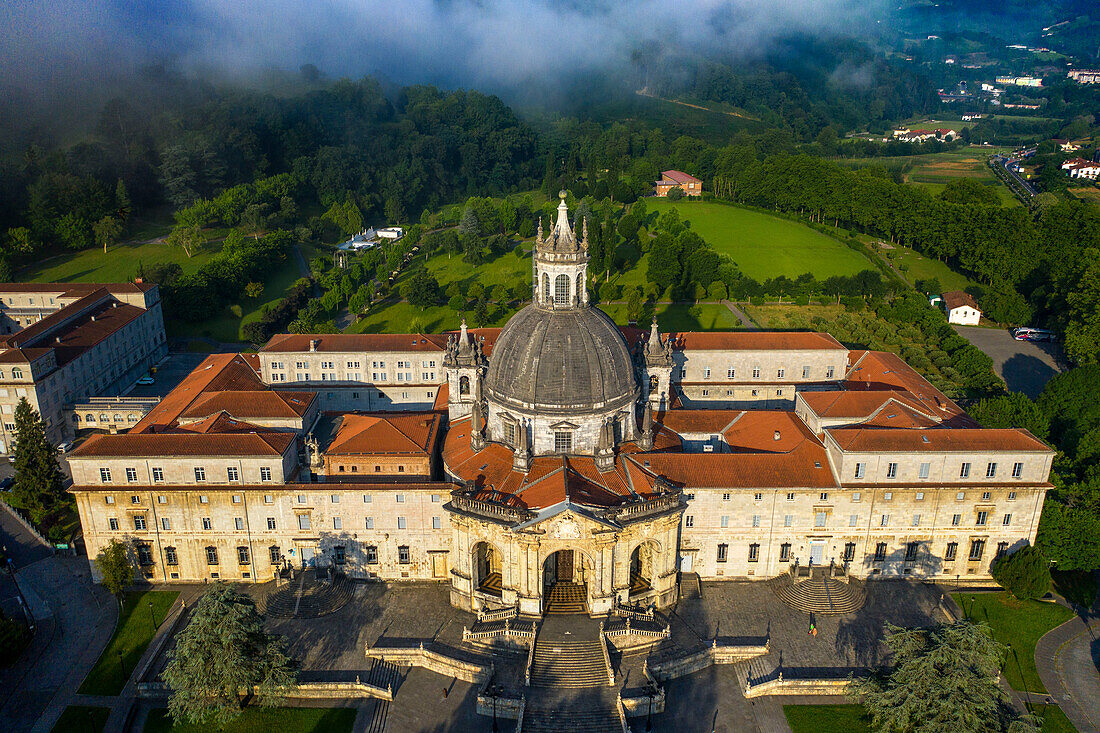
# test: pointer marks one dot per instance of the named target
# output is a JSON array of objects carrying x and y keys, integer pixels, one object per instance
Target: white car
[
  {"x": 146, "y": 380},
  {"x": 65, "y": 447}
]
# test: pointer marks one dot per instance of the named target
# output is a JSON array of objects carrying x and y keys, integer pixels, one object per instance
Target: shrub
[{"x": 1025, "y": 573}]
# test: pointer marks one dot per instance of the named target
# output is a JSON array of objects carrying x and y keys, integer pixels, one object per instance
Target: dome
[{"x": 567, "y": 360}]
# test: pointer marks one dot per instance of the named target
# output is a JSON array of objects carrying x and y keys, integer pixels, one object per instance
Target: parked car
[
  {"x": 146, "y": 380},
  {"x": 65, "y": 447}
]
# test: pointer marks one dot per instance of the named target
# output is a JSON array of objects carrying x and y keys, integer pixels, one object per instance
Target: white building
[{"x": 961, "y": 308}]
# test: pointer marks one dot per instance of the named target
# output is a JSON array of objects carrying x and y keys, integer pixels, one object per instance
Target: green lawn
[
  {"x": 265, "y": 720},
  {"x": 1018, "y": 624},
  {"x": 132, "y": 635},
  {"x": 81, "y": 719},
  {"x": 506, "y": 269},
  {"x": 766, "y": 246},
  {"x": 681, "y": 316},
  {"x": 120, "y": 264},
  {"x": 923, "y": 268},
  {"x": 827, "y": 719},
  {"x": 1054, "y": 720}
]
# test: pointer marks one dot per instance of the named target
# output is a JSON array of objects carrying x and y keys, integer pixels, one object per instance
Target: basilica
[{"x": 560, "y": 459}]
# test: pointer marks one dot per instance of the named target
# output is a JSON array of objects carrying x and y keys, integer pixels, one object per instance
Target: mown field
[
  {"x": 935, "y": 170},
  {"x": 120, "y": 264},
  {"x": 916, "y": 266},
  {"x": 767, "y": 246}
]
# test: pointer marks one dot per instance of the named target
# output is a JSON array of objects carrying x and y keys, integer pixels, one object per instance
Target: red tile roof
[
  {"x": 754, "y": 341},
  {"x": 216, "y": 373},
  {"x": 882, "y": 370},
  {"x": 679, "y": 177},
  {"x": 251, "y": 404},
  {"x": 959, "y": 298},
  {"x": 75, "y": 289},
  {"x": 266, "y": 443},
  {"x": 355, "y": 342},
  {"x": 939, "y": 439},
  {"x": 807, "y": 466},
  {"x": 364, "y": 434}
]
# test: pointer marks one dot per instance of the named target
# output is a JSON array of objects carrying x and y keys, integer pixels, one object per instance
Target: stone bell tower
[
  {"x": 657, "y": 369},
  {"x": 561, "y": 264},
  {"x": 465, "y": 366}
]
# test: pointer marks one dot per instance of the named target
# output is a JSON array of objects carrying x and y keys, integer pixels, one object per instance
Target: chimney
[
  {"x": 138, "y": 281},
  {"x": 313, "y": 344},
  {"x": 776, "y": 436}
]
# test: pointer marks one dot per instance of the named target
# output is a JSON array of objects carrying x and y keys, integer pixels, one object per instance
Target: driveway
[
  {"x": 1024, "y": 365},
  {"x": 170, "y": 373}
]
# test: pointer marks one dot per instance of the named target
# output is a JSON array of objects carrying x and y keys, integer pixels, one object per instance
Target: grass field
[
  {"x": 935, "y": 170},
  {"x": 265, "y": 720},
  {"x": 1092, "y": 193},
  {"x": 681, "y": 316},
  {"x": 923, "y": 268},
  {"x": 120, "y": 264},
  {"x": 81, "y": 718},
  {"x": 132, "y": 635},
  {"x": 1016, "y": 623},
  {"x": 1054, "y": 720},
  {"x": 767, "y": 246},
  {"x": 827, "y": 719}
]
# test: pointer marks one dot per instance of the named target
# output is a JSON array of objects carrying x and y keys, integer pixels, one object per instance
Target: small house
[
  {"x": 961, "y": 308},
  {"x": 690, "y": 185}
]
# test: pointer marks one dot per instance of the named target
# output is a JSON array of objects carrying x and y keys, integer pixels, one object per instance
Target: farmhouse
[
  {"x": 1081, "y": 168},
  {"x": 689, "y": 184},
  {"x": 961, "y": 308},
  {"x": 561, "y": 456}
]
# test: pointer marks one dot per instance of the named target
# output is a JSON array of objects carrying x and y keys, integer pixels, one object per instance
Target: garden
[{"x": 141, "y": 614}]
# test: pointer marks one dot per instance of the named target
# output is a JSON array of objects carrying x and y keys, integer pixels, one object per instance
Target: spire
[
  {"x": 654, "y": 337},
  {"x": 584, "y": 235},
  {"x": 605, "y": 450},
  {"x": 538, "y": 239},
  {"x": 561, "y": 227},
  {"x": 521, "y": 458},
  {"x": 645, "y": 440}
]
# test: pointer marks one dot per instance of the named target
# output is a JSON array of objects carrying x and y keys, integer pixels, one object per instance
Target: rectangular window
[
  {"x": 758, "y": 496},
  {"x": 925, "y": 469},
  {"x": 911, "y": 549},
  {"x": 689, "y": 521},
  {"x": 165, "y": 524},
  {"x": 1002, "y": 549},
  {"x": 563, "y": 442},
  {"x": 706, "y": 373},
  {"x": 145, "y": 554},
  {"x": 991, "y": 470},
  {"x": 271, "y": 523},
  {"x": 303, "y": 521},
  {"x": 437, "y": 523},
  {"x": 853, "y": 520},
  {"x": 367, "y": 499},
  {"x": 109, "y": 499},
  {"x": 805, "y": 372},
  {"x": 200, "y": 473},
  {"x": 206, "y": 523},
  {"x": 920, "y": 496},
  {"x": 337, "y": 523},
  {"x": 509, "y": 433},
  {"x": 725, "y": 521},
  {"x": 754, "y": 552},
  {"x": 880, "y": 552},
  {"x": 849, "y": 551},
  {"x": 951, "y": 551},
  {"x": 788, "y": 520},
  {"x": 135, "y": 499},
  {"x": 785, "y": 552},
  {"x": 339, "y": 555},
  {"x": 956, "y": 520},
  {"x": 731, "y": 373},
  {"x": 964, "y": 470},
  {"x": 158, "y": 474},
  {"x": 725, "y": 497},
  {"x": 231, "y": 473},
  {"x": 112, "y": 523},
  {"x": 139, "y": 522},
  {"x": 824, "y": 496},
  {"x": 242, "y": 555},
  {"x": 916, "y": 520},
  {"x": 780, "y": 373},
  {"x": 105, "y": 475},
  {"x": 1012, "y": 496},
  {"x": 856, "y": 497},
  {"x": 369, "y": 523},
  {"x": 1017, "y": 470},
  {"x": 819, "y": 519},
  {"x": 723, "y": 549},
  {"x": 756, "y": 373},
  {"x": 403, "y": 554},
  {"x": 977, "y": 549},
  {"x": 985, "y": 496},
  {"x": 170, "y": 557},
  {"x": 372, "y": 554},
  {"x": 238, "y": 523},
  {"x": 334, "y": 498},
  {"x": 790, "y": 496},
  {"x": 885, "y": 521},
  {"x": 131, "y": 475},
  {"x": 887, "y": 495},
  {"x": 981, "y": 519},
  {"x": 399, "y": 498},
  {"x": 756, "y": 520},
  {"x": 265, "y": 473},
  {"x": 960, "y": 496},
  {"x": 211, "y": 555},
  {"x": 274, "y": 554},
  {"x": 891, "y": 470},
  {"x": 269, "y": 499},
  {"x": 401, "y": 524},
  {"x": 1007, "y": 520},
  {"x": 829, "y": 373}
]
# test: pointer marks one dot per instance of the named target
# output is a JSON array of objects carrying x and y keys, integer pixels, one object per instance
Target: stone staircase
[
  {"x": 564, "y": 598},
  {"x": 307, "y": 596},
  {"x": 573, "y": 663},
  {"x": 555, "y": 720},
  {"x": 757, "y": 670},
  {"x": 820, "y": 594}
]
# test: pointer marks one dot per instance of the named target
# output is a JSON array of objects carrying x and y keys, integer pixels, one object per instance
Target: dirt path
[{"x": 644, "y": 93}]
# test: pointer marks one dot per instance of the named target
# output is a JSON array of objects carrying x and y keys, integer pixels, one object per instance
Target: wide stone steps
[
  {"x": 308, "y": 597},
  {"x": 572, "y": 664},
  {"x": 556, "y": 720},
  {"x": 820, "y": 594},
  {"x": 757, "y": 670}
]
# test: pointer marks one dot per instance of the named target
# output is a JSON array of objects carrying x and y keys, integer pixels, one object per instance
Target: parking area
[
  {"x": 1026, "y": 366},
  {"x": 170, "y": 373}
]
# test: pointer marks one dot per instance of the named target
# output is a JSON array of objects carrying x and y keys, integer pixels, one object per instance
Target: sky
[{"x": 474, "y": 43}]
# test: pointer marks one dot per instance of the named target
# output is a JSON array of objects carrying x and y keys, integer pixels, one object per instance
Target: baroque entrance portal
[{"x": 565, "y": 582}]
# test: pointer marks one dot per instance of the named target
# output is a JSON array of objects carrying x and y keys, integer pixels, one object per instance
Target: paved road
[
  {"x": 1068, "y": 660},
  {"x": 741, "y": 316},
  {"x": 1025, "y": 366},
  {"x": 170, "y": 373}
]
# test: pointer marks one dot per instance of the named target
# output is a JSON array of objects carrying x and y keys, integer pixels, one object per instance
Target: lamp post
[
  {"x": 152, "y": 617},
  {"x": 122, "y": 666},
  {"x": 649, "y": 715},
  {"x": 494, "y": 693}
]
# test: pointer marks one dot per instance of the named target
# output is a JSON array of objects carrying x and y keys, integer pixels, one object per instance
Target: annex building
[{"x": 561, "y": 456}]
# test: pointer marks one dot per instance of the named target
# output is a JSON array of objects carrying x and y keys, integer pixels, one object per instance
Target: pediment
[
  {"x": 564, "y": 522},
  {"x": 564, "y": 425}
]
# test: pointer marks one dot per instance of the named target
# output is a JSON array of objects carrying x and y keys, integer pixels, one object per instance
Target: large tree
[
  {"x": 224, "y": 653},
  {"x": 115, "y": 567},
  {"x": 38, "y": 479},
  {"x": 942, "y": 679}
]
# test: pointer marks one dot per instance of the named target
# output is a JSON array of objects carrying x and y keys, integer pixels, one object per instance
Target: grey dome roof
[{"x": 565, "y": 360}]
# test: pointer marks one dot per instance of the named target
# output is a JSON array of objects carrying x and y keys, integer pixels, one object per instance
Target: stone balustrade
[
  {"x": 714, "y": 654},
  {"x": 499, "y": 614},
  {"x": 305, "y": 690},
  {"x": 419, "y": 656},
  {"x": 489, "y": 509},
  {"x": 780, "y": 686}
]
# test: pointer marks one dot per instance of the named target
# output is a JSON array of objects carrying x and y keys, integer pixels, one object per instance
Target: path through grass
[{"x": 132, "y": 635}]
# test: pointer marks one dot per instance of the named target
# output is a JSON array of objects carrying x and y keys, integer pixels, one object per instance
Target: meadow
[
  {"x": 934, "y": 171},
  {"x": 766, "y": 246},
  {"x": 120, "y": 264},
  {"x": 916, "y": 266}
]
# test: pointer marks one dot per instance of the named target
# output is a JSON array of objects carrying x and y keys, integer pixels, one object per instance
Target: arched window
[
  {"x": 103, "y": 418},
  {"x": 561, "y": 290},
  {"x": 118, "y": 418},
  {"x": 464, "y": 385},
  {"x": 545, "y": 288},
  {"x": 16, "y": 373},
  {"x": 89, "y": 418},
  {"x": 580, "y": 287}
]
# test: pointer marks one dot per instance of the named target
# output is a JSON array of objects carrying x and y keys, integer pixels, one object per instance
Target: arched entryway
[
  {"x": 566, "y": 575},
  {"x": 487, "y": 572},
  {"x": 641, "y": 569}
]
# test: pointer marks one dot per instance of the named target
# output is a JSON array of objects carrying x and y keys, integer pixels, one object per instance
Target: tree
[
  {"x": 122, "y": 200},
  {"x": 423, "y": 290},
  {"x": 254, "y": 289},
  {"x": 1012, "y": 410},
  {"x": 253, "y": 219},
  {"x": 633, "y": 305},
  {"x": 107, "y": 231},
  {"x": 113, "y": 564},
  {"x": 943, "y": 678},
  {"x": 187, "y": 238},
  {"x": 1025, "y": 573},
  {"x": 457, "y": 303},
  {"x": 224, "y": 653},
  {"x": 38, "y": 479},
  {"x": 469, "y": 227},
  {"x": 675, "y": 193}
]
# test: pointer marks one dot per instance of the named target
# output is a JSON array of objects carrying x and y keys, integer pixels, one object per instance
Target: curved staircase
[
  {"x": 820, "y": 594},
  {"x": 307, "y": 596}
]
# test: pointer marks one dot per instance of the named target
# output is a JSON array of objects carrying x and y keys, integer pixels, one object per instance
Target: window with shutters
[{"x": 950, "y": 552}]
